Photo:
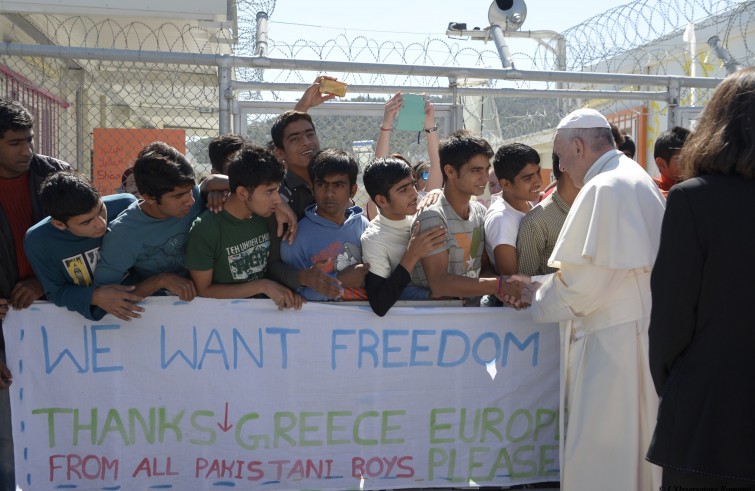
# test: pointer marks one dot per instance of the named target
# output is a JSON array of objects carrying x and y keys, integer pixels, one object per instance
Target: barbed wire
[
  {"x": 640, "y": 37},
  {"x": 594, "y": 44},
  {"x": 109, "y": 33},
  {"x": 633, "y": 25},
  {"x": 591, "y": 45}
]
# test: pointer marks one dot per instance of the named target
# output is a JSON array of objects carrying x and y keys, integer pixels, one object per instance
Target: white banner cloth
[{"x": 218, "y": 394}]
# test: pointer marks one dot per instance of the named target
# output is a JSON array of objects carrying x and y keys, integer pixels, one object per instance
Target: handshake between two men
[{"x": 516, "y": 290}]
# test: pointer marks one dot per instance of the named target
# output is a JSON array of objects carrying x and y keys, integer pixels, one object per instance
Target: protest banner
[{"x": 214, "y": 394}]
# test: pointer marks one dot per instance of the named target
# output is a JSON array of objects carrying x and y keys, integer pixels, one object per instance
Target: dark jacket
[
  {"x": 702, "y": 333},
  {"x": 297, "y": 194},
  {"x": 40, "y": 167}
]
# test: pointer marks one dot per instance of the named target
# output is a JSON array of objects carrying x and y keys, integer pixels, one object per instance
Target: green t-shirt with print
[{"x": 236, "y": 250}]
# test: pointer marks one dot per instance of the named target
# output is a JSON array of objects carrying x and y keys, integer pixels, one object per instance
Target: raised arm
[
  {"x": 435, "y": 179},
  {"x": 382, "y": 148}
]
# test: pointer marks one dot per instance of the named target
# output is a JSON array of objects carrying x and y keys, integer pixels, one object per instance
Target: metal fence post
[
  {"x": 674, "y": 95},
  {"x": 226, "y": 94},
  {"x": 453, "y": 83},
  {"x": 80, "y": 166}
]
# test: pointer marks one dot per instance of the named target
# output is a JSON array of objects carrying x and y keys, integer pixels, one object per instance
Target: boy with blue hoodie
[{"x": 329, "y": 234}]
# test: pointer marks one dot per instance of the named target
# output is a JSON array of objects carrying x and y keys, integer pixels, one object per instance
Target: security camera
[{"x": 508, "y": 14}]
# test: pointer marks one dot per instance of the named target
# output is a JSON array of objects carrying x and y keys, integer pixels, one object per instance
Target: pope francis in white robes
[{"x": 601, "y": 297}]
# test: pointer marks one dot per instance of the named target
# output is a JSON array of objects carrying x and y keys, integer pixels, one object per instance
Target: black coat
[{"x": 702, "y": 329}]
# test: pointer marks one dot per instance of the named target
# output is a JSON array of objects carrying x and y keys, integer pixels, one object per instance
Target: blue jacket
[
  {"x": 335, "y": 247},
  {"x": 65, "y": 263},
  {"x": 142, "y": 246}
]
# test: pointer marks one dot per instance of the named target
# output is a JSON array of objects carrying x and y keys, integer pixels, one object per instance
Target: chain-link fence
[
  {"x": 643, "y": 37},
  {"x": 97, "y": 111},
  {"x": 103, "y": 113}
]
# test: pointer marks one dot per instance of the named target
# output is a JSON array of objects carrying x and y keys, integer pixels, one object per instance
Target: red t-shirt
[
  {"x": 15, "y": 200},
  {"x": 664, "y": 184}
]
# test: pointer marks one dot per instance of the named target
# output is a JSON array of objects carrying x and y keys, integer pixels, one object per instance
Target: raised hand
[
  {"x": 429, "y": 113},
  {"x": 392, "y": 108},
  {"x": 312, "y": 97}
]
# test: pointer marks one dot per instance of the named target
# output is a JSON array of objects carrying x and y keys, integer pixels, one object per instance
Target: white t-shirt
[
  {"x": 501, "y": 227},
  {"x": 384, "y": 243}
]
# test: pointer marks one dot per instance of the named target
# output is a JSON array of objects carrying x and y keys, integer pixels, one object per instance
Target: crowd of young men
[{"x": 283, "y": 225}]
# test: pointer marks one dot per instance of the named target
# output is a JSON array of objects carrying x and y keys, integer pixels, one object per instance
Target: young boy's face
[
  {"x": 526, "y": 185},
  {"x": 333, "y": 195},
  {"x": 472, "y": 177},
  {"x": 91, "y": 224},
  {"x": 175, "y": 203},
  {"x": 300, "y": 143},
  {"x": 264, "y": 200},
  {"x": 401, "y": 200}
]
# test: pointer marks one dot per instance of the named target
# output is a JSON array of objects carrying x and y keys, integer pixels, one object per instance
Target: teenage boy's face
[
  {"x": 333, "y": 195},
  {"x": 16, "y": 151},
  {"x": 300, "y": 143},
  {"x": 674, "y": 166},
  {"x": 473, "y": 176},
  {"x": 526, "y": 185},
  {"x": 264, "y": 200},
  {"x": 92, "y": 224},
  {"x": 402, "y": 200},
  {"x": 175, "y": 203}
]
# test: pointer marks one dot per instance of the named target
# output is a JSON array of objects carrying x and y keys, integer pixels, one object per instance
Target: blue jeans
[{"x": 7, "y": 471}]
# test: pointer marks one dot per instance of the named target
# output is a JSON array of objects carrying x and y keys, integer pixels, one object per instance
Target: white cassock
[{"x": 601, "y": 297}]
